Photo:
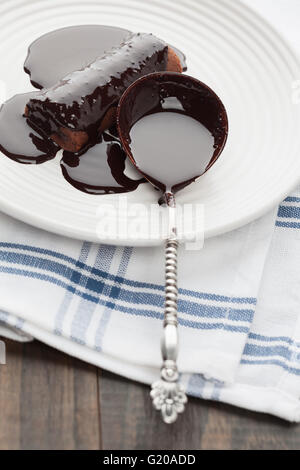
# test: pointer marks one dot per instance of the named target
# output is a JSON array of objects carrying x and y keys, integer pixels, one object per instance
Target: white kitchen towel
[
  {"x": 238, "y": 307},
  {"x": 110, "y": 299}
]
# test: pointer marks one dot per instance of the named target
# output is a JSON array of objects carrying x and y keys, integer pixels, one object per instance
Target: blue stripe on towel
[
  {"x": 3, "y": 316},
  {"x": 121, "y": 308},
  {"x": 75, "y": 278},
  {"x": 291, "y": 212},
  {"x": 254, "y": 355},
  {"x": 292, "y": 199},
  {"x": 118, "y": 292},
  {"x": 196, "y": 385},
  {"x": 255, "y": 350},
  {"x": 85, "y": 309},
  {"x": 288, "y": 224},
  {"x": 114, "y": 292},
  {"x": 272, "y": 362},
  {"x": 216, "y": 393},
  {"x": 269, "y": 339},
  {"x": 50, "y": 265}
]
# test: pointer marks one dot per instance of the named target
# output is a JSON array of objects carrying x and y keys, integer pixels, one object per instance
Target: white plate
[{"x": 227, "y": 46}]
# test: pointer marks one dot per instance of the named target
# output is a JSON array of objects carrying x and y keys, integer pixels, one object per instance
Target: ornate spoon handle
[{"x": 167, "y": 395}]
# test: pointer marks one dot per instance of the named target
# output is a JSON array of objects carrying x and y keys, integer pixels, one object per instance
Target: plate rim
[{"x": 45, "y": 223}]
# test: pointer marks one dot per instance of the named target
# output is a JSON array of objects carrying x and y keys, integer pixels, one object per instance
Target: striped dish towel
[{"x": 238, "y": 310}]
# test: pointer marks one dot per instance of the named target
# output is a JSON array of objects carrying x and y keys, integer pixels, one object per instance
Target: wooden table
[{"x": 49, "y": 400}]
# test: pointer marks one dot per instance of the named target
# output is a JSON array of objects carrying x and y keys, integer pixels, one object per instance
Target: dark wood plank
[
  {"x": 10, "y": 397},
  {"x": 232, "y": 428},
  {"x": 128, "y": 422},
  {"x": 48, "y": 400},
  {"x": 51, "y": 401}
]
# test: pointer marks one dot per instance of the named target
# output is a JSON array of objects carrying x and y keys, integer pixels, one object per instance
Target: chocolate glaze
[
  {"x": 80, "y": 100},
  {"x": 58, "y": 53},
  {"x": 175, "y": 94},
  {"x": 54, "y": 55},
  {"x": 99, "y": 169},
  {"x": 18, "y": 140}
]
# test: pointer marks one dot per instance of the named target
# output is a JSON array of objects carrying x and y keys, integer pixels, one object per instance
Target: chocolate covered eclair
[{"x": 81, "y": 105}]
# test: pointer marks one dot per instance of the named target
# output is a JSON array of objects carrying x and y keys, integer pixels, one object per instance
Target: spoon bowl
[{"x": 169, "y": 92}]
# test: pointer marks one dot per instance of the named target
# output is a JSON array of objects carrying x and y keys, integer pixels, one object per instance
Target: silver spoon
[{"x": 173, "y": 128}]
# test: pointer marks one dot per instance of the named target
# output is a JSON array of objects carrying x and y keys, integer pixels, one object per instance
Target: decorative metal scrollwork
[{"x": 167, "y": 394}]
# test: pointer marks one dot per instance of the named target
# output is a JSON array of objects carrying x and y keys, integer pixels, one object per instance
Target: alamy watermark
[{"x": 138, "y": 222}]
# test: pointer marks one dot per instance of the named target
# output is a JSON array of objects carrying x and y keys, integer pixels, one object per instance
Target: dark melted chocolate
[
  {"x": 97, "y": 170},
  {"x": 81, "y": 99},
  {"x": 173, "y": 128},
  {"x": 100, "y": 169},
  {"x": 18, "y": 140},
  {"x": 54, "y": 55}
]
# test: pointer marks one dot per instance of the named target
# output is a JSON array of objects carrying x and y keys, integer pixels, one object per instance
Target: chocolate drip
[
  {"x": 18, "y": 140},
  {"x": 99, "y": 169}
]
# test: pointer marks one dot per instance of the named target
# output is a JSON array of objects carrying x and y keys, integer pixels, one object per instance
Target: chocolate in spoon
[{"x": 173, "y": 128}]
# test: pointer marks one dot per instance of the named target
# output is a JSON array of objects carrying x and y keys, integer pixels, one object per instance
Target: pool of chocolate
[
  {"x": 171, "y": 147},
  {"x": 173, "y": 128},
  {"x": 18, "y": 140},
  {"x": 100, "y": 169}
]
